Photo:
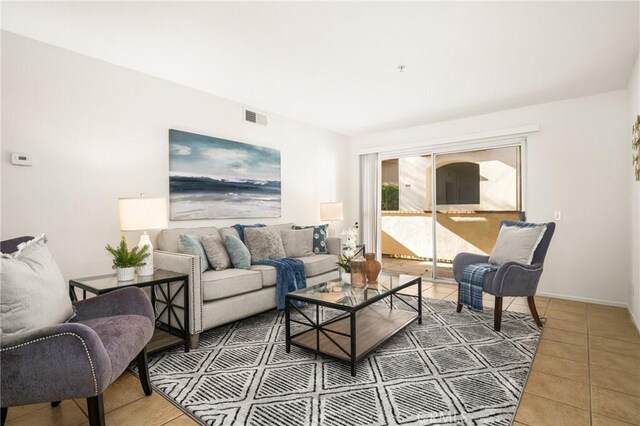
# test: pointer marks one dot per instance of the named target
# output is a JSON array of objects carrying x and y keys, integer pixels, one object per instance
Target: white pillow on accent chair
[
  {"x": 517, "y": 244},
  {"x": 33, "y": 292}
]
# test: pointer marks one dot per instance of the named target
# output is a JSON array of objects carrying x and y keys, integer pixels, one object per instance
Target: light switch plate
[
  {"x": 557, "y": 215},
  {"x": 21, "y": 159}
]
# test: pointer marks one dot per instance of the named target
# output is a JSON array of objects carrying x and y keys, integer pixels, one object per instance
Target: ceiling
[{"x": 334, "y": 64}]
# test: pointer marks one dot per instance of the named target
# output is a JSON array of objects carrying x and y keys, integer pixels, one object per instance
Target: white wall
[
  {"x": 99, "y": 132},
  {"x": 634, "y": 290},
  {"x": 578, "y": 164}
]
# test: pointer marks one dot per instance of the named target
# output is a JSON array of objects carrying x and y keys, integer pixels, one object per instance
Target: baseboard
[
  {"x": 634, "y": 320},
  {"x": 584, "y": 299}
]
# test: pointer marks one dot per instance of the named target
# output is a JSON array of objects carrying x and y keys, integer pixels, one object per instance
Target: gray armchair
[
  {"x": 82, "y": 357},
  {"x": 511, "y": 279}
]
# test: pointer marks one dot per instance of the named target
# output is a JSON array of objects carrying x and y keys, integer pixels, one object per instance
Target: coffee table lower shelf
[{"x": 374, "y": 325}]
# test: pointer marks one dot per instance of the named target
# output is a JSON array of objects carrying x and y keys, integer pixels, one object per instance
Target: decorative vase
[
  {"x": 358, "y": 274},
  {"x": 373, "y": 268},
  {"x": 345, "y": 277},
  {"x": 125, "y": 274}
]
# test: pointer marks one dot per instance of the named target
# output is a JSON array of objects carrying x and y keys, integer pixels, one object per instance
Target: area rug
[{"x": 452, "y": 369}]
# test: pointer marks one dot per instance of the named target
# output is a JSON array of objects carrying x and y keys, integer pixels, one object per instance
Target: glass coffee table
[{"x": 367, "y": 318}]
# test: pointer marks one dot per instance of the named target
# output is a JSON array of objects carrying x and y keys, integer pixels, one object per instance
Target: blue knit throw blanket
[
  {"x": 290, "y": 276},
  {"x": 240, "y": 229},
  {"x": 471, "y": 284}
]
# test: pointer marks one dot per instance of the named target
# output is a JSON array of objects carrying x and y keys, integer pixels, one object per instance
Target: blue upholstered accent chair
[
  {"x": 511, "y": 279},
  {"x": 82, "y": 357}
]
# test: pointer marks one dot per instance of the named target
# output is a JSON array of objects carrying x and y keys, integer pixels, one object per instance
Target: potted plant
[
  {"x": 348, "y": 252},
  {"x": 125, "y": 260}
]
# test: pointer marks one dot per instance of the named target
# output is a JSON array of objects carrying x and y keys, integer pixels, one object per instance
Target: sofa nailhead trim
[{"x": 84, "y": 345}]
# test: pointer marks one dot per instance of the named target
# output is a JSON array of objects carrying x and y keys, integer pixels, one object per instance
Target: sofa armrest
[
  {"x": 126, "y": 301},
  {"x": 56, "y": 363},
  {"x": 186, "y": 264},
  {"x": 462, "y": 260},
  {"x": 334, "y": 245},
  {"x": 517, "y": 279}
]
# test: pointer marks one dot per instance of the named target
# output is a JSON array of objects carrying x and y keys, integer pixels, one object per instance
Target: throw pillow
[
  {"x": 189, "y": 244},
  {"x": 264, "y": 243},
  {"x": 297, "y": 242},
  {"x": 319, "y": 237},
  {"x": 238, "y": 252},
  {"x": 216, "y": 252},
  {"x": 33, "y": 293},
  {"x": 517, "y": 244}
]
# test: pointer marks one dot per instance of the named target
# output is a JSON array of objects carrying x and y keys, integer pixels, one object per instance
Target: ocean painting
[{"x": 213, "y": 178}]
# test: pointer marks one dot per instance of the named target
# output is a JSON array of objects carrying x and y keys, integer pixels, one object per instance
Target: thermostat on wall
[{"x": 20, "y": 159}]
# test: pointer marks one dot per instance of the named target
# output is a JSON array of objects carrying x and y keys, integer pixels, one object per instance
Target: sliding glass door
[{"x": 436, "y": 205}]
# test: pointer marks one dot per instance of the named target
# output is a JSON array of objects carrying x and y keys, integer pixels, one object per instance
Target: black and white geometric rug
[{"x": 452, "y": 369}]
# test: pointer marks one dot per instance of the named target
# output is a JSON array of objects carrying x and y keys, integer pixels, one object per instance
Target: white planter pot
[
  {"x": 345, "y": 277},
  {"x": 126, "y": 274}
]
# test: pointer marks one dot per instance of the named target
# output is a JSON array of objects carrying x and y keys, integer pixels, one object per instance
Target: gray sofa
[{"x": 220, "y": 297}]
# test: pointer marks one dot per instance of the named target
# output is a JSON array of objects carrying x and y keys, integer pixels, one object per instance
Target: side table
[{"x": 166, "y": 335}]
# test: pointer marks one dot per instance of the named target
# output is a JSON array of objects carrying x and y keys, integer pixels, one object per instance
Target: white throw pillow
[
  {"x": 33, "y": 292},
  {"x": 517, "y": 244}
]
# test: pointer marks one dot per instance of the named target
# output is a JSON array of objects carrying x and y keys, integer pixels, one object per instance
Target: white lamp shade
[
  {"x": 137, "y": 214},
  {"x": 331, "y": 211}
]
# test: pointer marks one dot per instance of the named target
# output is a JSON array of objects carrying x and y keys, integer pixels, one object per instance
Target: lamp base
[{"x": 146, "y": 269}]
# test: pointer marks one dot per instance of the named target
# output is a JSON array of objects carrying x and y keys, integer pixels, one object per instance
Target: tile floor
[{"x": 586, "y": 372}]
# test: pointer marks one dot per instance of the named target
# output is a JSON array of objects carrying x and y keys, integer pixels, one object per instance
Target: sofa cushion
[
  {"x": 319, "y": 237},
  {"x": 167, "y": 239},
  {"x": 264, "y": 243},
  {"x": 517, "y": 244},
  {"x": 238, "y": 252},
  {"x": 230, "y": 282},
  {"x": 33, "y": 293},
  {"x": 190, "y": 244},
  {"x": 319, "y": 264},
  {"x": 297, "y": 242},
  {"x": 228, "y": 231},
  {"x": 216, "y": 252},
  {"x": 268, "y": 274}
]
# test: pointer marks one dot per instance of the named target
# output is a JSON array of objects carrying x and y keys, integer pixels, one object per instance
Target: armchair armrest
[
  {"x": 334, "y": 245},
  {"x": 186, "y": 264},
  {"x": 462, "y": 260},
  {"x": 126, "y": 301},
  {"x": 517, "y": 279},
  {"x": 52, "y": 364}
]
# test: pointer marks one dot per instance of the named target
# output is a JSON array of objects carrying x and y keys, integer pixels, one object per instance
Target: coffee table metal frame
[{"x": 351, "y": 313}]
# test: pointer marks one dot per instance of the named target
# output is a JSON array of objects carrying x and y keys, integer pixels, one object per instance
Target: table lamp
[
  {"x": 331, "y": 212},
  {"x": 142, "y": 214}
]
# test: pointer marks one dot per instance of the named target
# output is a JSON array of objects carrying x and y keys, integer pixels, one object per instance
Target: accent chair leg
[
  {"x": 5, "y": 411},
  {"x": 534, "y": 311},
  {"x": 95, "y": 407},
  {"x": 497, "y": 315},
  {"x": 143, "y": 371},
  {"x": 194, "y": 340},
  {"x": 459, "y": 307},
  {"x": 55, "y": 403}
]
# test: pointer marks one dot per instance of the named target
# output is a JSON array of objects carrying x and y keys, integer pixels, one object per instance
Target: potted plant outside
[{"x": 125, "y": 261}]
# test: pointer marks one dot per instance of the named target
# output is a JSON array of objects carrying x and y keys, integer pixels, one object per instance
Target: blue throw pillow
[
  {"x": 319, "y": 237},
  {"x": 238, "y": 252},
  {"x": 190, "y": 244}
]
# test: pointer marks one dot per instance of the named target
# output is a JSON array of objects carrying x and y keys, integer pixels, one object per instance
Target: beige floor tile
[
  {"x": 617, "y": 380},
  {"x": 540, "y": 301},
  {"x": 436, "y": 294},
  {"x": 558, "y": 389},
  {"x": 574, "y": 326},
  {"x": 565, "y": 315},
  {"x": 567, "y": 305},
  {"x": 604, "y": 311},
  {"x": 614, "y": 328},
  {"x": 183, "y": 420},
  {"x": 617, "y": 405},
  {"x": 625, "y": 363},
  {"x": 613, "y": 345},
  {"x": 561, "y": 367},
  {"x": 519, "y": 308},
  {"x": 537, "y": 411},
  {"x": 150, "y": 411},
  {"x": 67, "y": 413},
  {"x": 600, "y": 420},
  {"x": 564, "y": 350},
  {"x": 565, "y": 336},
  {"x": 123, "y": 391},
  {"x": 25, "y": 409}
]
